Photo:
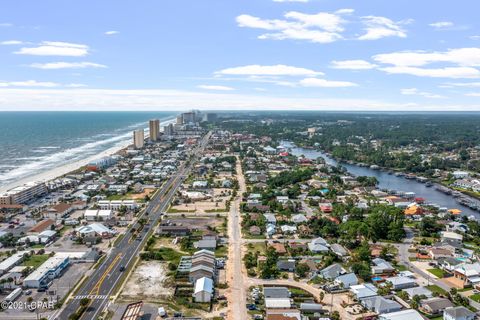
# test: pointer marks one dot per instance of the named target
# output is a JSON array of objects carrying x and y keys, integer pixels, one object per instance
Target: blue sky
[{"x": 250, "y": 54}]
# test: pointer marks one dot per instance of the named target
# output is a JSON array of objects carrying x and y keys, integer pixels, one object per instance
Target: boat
[{"x": 428, "y": 184}]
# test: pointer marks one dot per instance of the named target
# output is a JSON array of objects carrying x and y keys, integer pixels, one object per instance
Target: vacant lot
[
  {"x": 215, "y": 204},
  {"x": 149, "y": 281}
]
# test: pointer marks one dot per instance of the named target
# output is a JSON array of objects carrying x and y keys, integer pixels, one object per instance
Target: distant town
[{"x": 244, "y": 215}]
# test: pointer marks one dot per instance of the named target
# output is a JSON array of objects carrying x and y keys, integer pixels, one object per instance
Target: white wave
[{"x": 45, "y": 163}]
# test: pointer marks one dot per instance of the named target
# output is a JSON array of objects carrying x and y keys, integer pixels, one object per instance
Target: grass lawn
[
  {"x": 437, "y": 272},
  {"x": 475, "y": 297},
  {"x": 401, "y": 267},
  {"x": 257, "y": 246},
  {"x": 36, "y": 260},
  {"x": 437, "y": 289},
  {"x": 170, "y": 255},
  {"x": 221, "y": 251}
]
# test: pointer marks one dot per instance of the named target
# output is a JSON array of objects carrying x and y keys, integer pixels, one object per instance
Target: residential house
[
  {"x": 407, "y": 314},
  {"x": 345, "y": 281},
  {"x": 418, "y": 291},
  {"x": 318, "y": 245},
  {"x": 381, "y": 266},
  {"x": 299, "y": 218},
  {"x": 458, "y": 313},
  {"x": 399, "y": 282},
  {"x": 362, "y": 291},
  {"x": 339, "y": 250},
  {"x": 332, "y": 272},
  {"x": 435, "y": 306},
  {"x": 255, "y": 231},
  {"x": 203, "y": 290},
  {"x": 380, "y": 304},
  {"x": 469, "y": 273},
  {"x": 286, "y": 265},
  {"x": 283, "y": 314}
]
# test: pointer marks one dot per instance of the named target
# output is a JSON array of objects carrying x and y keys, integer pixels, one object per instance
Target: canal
[{"x": 390, "y": 181}]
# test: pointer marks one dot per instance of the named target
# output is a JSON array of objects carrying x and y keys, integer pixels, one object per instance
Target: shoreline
[{"x": 66, "y": 168}]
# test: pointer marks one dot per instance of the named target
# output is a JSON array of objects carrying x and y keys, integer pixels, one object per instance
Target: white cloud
[
  {"x": 274, "y": 70},
  {"x": 441, "y": 24},
  {"x": 475, "y": 37},
  {"x": 469, "y": 57},
  {"x": 6, "y": 24},
  {"x": 352, "y": 64},
  {"x": 410, "y": 62},
  {"x": 67, "y": 65},
  {"x": 76, "y": 85},
  {"x": 158, "y": 100},
  {"x": 112, "y": 32},
  {"x": 322, "y": 27},
  {"x": 381, "y": 27},
  {"x": 416, "y": 92},
  {"x": 473, "y": 94},
  {"x": 448, "y": 72},
  {"x": 55, "y": 48},
  {"x": 215, "y": 87},
  {"x": 29, "y": 83},
  {"x": 10, "y": 42},
  {"x": 462, "y": 84},
  {"x": 322, "y": 83}
]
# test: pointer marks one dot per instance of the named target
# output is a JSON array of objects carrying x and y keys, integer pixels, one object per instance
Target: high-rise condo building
[
  {"x": 179, "y": 119},
  {"x": 188, "y": 117},
  {"x": 169, "y": 130},
  {"x": 154, "y": 129},
  {"x": 138, "y": 139}
]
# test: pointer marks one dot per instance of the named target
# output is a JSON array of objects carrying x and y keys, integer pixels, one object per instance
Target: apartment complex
[
  {"x": 154, "y": 129},
  {"x": 138, "y": 139},
  {"x": 23, "y": 194}
]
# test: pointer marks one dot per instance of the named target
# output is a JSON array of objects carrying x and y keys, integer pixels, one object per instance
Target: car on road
[
  {"x": 122, "y": 268},
  {"x": 251, "y": 306}
]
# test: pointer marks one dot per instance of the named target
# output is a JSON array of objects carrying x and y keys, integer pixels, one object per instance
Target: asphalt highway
[{"x": 104, "y": 279}]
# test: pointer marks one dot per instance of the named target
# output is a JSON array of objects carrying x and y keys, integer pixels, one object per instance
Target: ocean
[{"x": 36, "y": 142}]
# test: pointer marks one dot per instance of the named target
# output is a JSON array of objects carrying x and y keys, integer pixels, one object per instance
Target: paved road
[
  {"x": 103, "y": 280},
  {"x": 404, "y": 256}
]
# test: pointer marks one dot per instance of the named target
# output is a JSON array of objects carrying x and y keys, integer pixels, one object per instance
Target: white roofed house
[
  {"x": 407, "y": 314},
  {"x": 345, "y": 281},
  {"x": 95, "y": 229},
  {"x": 299, "y": 218},
  {"x": 203, "y": 290},
  {"x": 381, "y": 266},
  {"x": 361, "y": 291},
  {"x": 400, "y": 282},
  {"x": 282, "y": 199},
  {"x": 458, "y": 313},
  {"x": 469, "y": 273},
  {"x": 318, "y": 245}
]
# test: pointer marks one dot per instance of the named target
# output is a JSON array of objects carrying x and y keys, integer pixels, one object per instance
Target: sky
[{"x": 240, "y": 55}]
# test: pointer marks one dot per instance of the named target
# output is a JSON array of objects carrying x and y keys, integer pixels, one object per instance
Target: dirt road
[{"x": 236, "y": 293}]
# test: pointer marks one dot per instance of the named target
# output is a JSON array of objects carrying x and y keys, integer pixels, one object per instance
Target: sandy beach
[{"x": 69, "y": 167}]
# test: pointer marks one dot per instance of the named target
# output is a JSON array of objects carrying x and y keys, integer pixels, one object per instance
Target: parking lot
[{"x": 59, "y": 288}]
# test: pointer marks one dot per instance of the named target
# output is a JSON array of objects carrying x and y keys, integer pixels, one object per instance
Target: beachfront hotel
[
  {"x": 154, "y": 129},
  {"x": 138, "y": 139},
  {"x": 23, "y": 194}
]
